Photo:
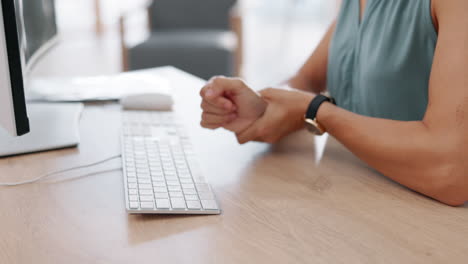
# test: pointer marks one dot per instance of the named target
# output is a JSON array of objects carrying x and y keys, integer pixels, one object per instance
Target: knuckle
[
  {"x": 205, "y": 106},
  {"x": 217, "y": 80},
  {"x": 213, "y": 78},
  {"x": 205, "y": 116}
]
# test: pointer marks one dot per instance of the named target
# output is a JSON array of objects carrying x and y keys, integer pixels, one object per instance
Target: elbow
[
  {"x": 449, "y": 186},
  {"x": 455, "y": 201}
]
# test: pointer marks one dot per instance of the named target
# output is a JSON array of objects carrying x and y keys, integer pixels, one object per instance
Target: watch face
[{"x": 313, "y": 127}]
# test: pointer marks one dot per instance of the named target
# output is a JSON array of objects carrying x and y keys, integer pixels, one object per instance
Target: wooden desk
[{"x": 278, "y": 206}]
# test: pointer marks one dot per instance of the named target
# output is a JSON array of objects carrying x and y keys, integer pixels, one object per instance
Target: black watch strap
[{"x": 316, "y": 103}]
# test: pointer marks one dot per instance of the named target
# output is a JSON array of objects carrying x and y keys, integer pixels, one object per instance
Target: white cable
[{"x": 60, "y": 171}]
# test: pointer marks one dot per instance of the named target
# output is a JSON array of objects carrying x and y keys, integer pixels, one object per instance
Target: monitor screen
[
  {"x": 37, "y": 27},
  {"x": 27, "y": 30}
]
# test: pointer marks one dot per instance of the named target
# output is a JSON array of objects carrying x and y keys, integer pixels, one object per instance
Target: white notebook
[{"x": 98, "y": 88}]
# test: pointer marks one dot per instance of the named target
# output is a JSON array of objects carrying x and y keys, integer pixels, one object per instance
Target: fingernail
[
  {"x": 227, "y": 105},
  {"x": 209, "y": 93}
]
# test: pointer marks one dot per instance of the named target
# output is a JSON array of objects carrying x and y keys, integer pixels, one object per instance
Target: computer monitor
[{"x": 28, "y": 30}]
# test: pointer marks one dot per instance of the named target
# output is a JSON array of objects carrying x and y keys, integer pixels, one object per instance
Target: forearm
[
  {"x": 407, "y": 152},
  {"x": 312, "y": 76},
  {"x": 306, "y": 83}
]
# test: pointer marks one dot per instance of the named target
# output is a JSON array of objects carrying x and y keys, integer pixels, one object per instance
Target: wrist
[
  {"x": 311, "y": 118},
  {"x": 323, "y": 114},
  {"x": 303, "y": 105}
]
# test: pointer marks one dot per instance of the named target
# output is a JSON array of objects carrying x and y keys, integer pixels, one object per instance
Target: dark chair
[{"x": 195, "y": 36}]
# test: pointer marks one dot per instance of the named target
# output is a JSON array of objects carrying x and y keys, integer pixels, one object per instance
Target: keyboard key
[
  {"x": 157, "y": 173},
  {"x": 174, "y": 188},
  {"x": 162, "y": 203},
  {"x": 159, "y": 184},
  {"x": 209, "y": 205},
  {"x": 143, "y": 175},
  {"x": 144, "y": 181},
  {"x": 132, "y": 185},
  {"x": 176, "y": 194},
  {"x": 145, "y": 198},
  {"x": 178, "y": 203},
  {"x": 161, "y": 195},
  {"x": 146, "y": 192},
  {"x": 190, "y": 191},
  {"x": 173, "y": 183},
  {"x": 160, "y": 189},
  {"x": 133, "y": 198},
  {"x": 185, "y": 176},
  {"x": 131, "y": 180},
  {"x": 191, "y": 197},
  {"x": 147, "y": 205},
  {"x": 185, "y": 172},
  {"x": 188, "y": 185},
  {"x": 132, "y": 191},
  {"x": 145, "y": 186},
  {"x": 158, "y": 179},
  {"x": 170, "y": 174},
  {"x": 134, "y": 205},
  {"x": 193, "y": 205}
]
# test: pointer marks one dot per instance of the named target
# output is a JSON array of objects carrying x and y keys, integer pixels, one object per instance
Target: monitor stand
[{"x": 53, "y": 126}]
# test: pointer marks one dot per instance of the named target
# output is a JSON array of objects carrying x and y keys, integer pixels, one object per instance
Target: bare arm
[
  {"x": 313, "y": 74},
  {"x": 430, "y": 156}
]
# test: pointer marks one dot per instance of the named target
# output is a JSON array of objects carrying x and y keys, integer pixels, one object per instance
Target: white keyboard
[{"x": 161, "y": 175}]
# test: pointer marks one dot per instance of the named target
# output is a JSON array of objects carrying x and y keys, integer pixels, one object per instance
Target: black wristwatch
[{"x": 311, "y": 115}]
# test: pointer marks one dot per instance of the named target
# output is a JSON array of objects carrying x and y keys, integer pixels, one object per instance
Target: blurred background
[{"x": 263, "y": 41}]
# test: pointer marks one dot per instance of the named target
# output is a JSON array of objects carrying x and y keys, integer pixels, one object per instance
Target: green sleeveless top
[{"x": 380, "y": 66}]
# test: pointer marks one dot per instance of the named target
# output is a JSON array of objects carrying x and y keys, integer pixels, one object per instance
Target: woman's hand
[
  {"x": 230, "y": 103},
  {"x": 284, "y": 114}
]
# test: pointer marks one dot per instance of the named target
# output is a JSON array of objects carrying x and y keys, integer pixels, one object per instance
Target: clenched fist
[{"x": 231, "y": 104}]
